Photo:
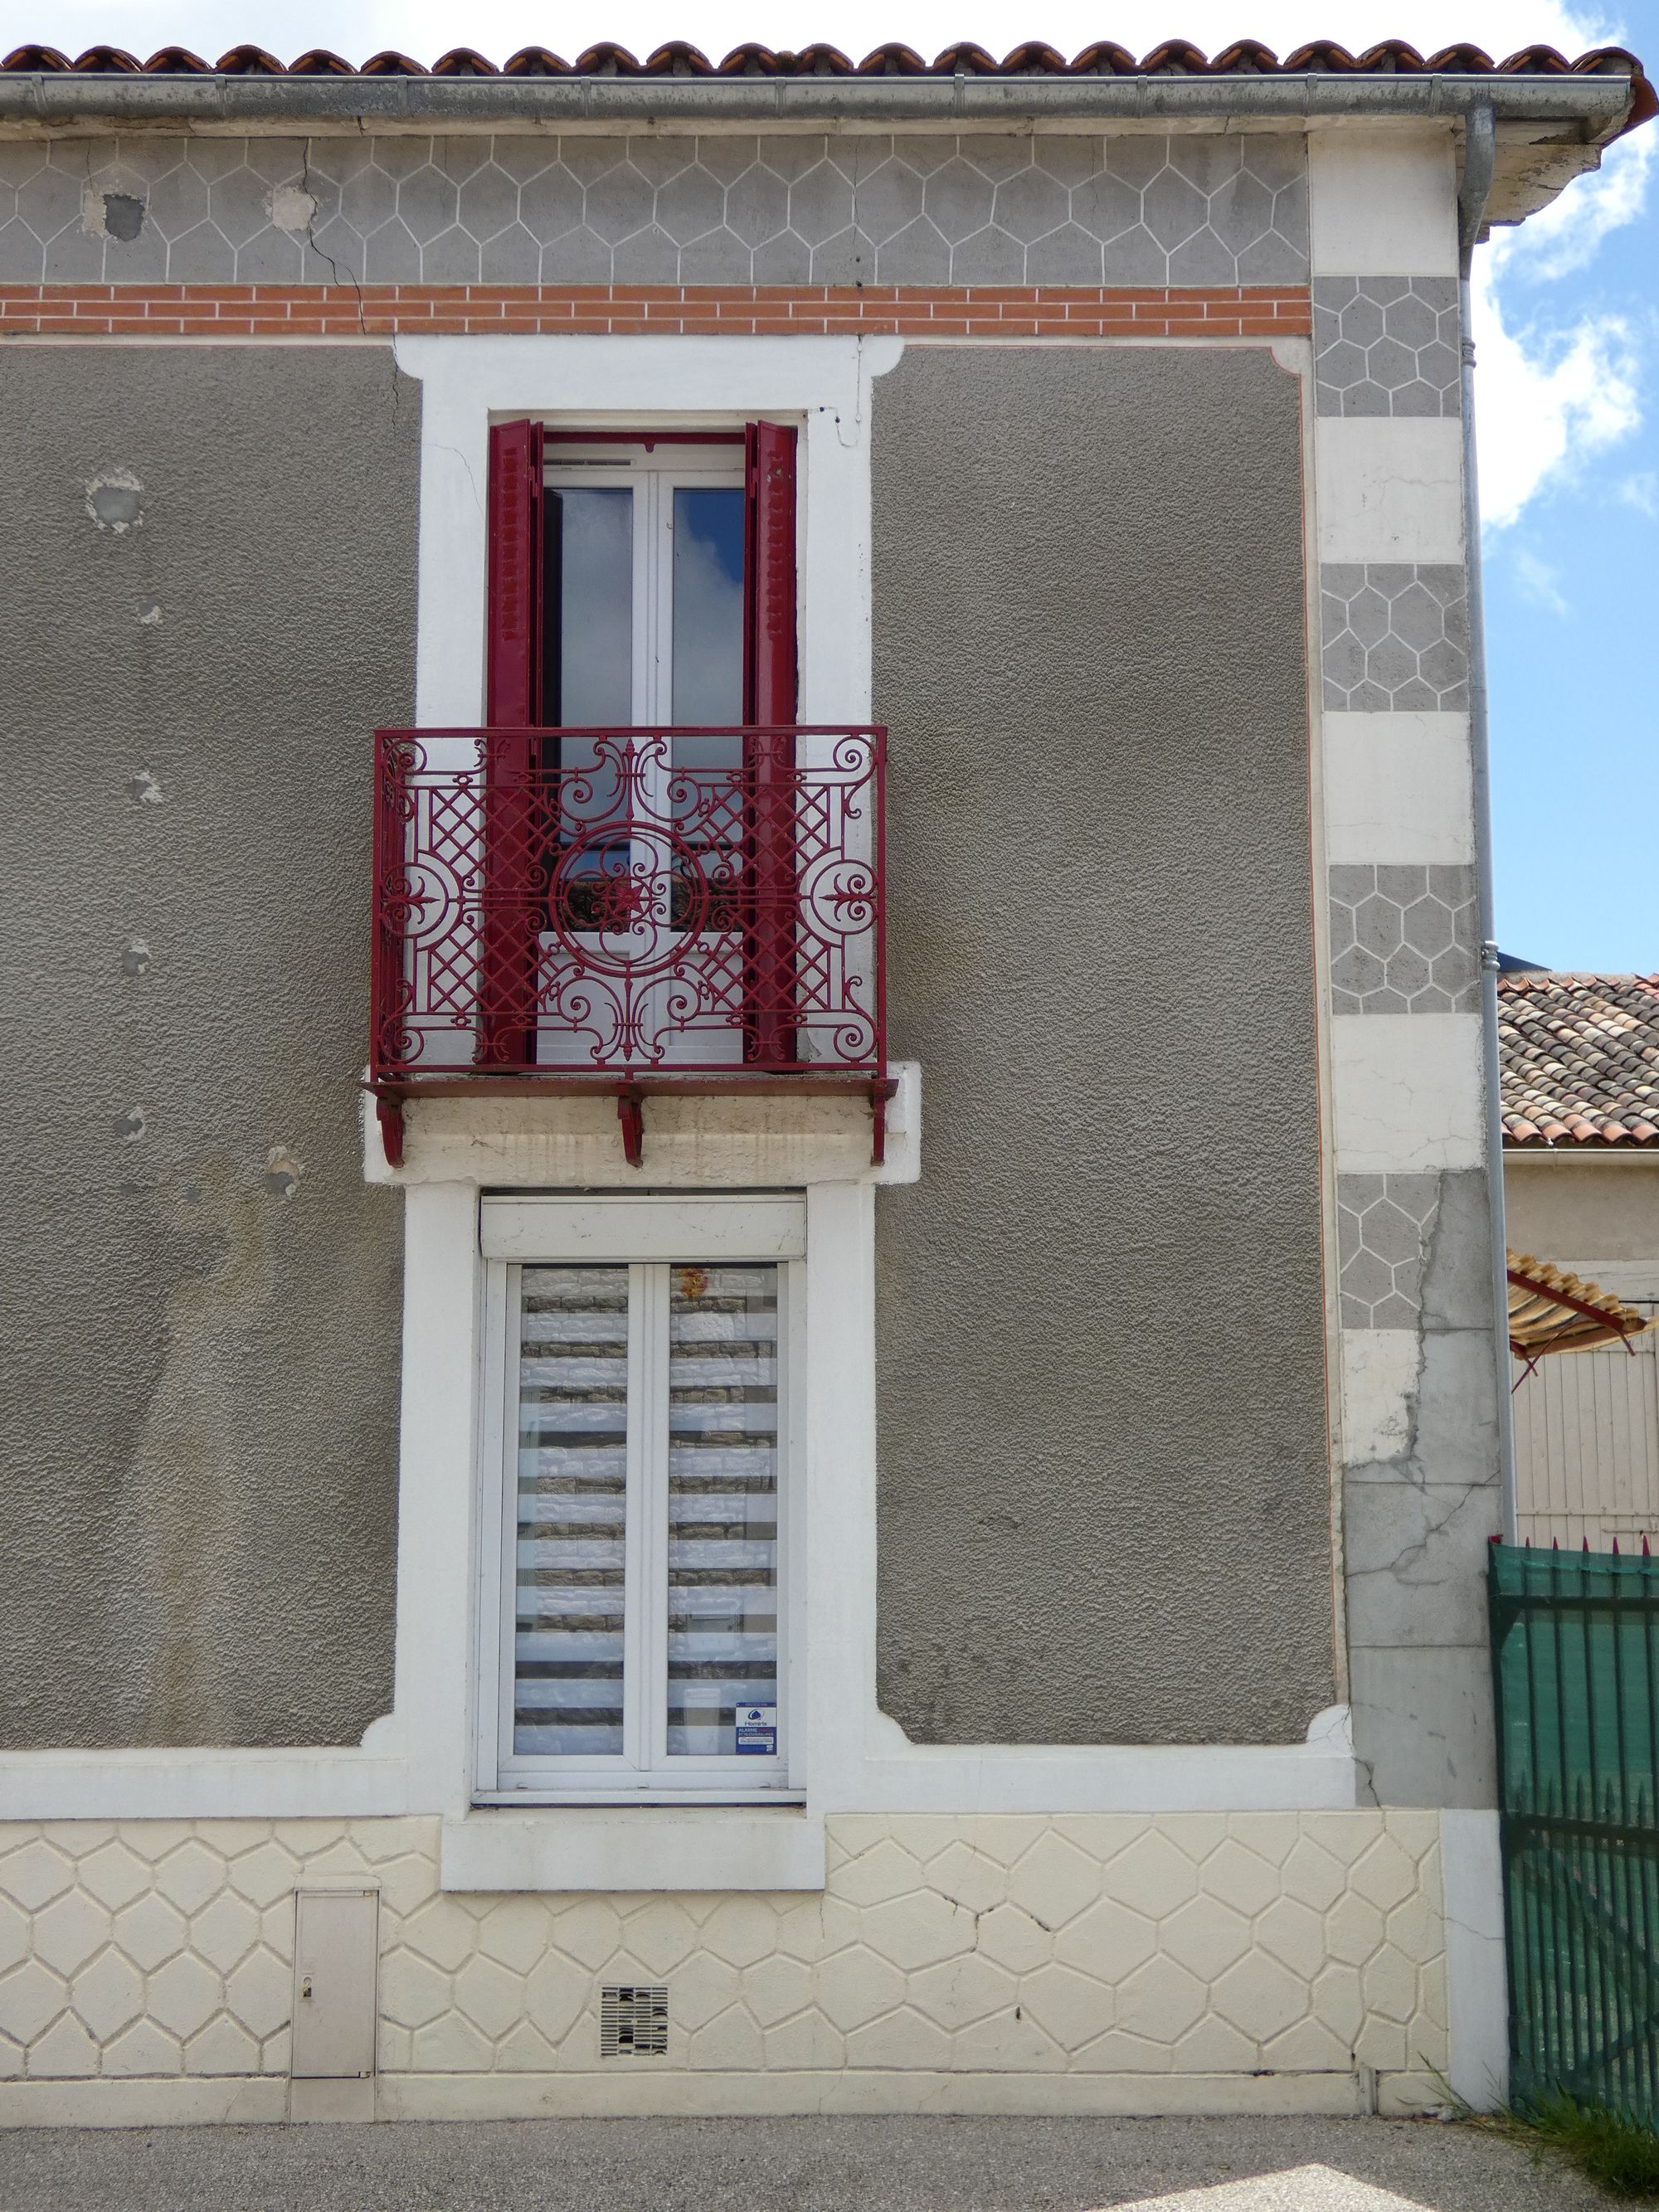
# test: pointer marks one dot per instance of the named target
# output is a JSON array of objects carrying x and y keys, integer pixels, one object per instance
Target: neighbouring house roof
[
  {"x": 1580, "y": 1060},
  {"x": 1551, "y": 1310}
]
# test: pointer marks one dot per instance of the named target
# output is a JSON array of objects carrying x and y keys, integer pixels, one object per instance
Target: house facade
[
  {"x": 683, "y": 1439},
  {"x": 1581, "y": 1178}
]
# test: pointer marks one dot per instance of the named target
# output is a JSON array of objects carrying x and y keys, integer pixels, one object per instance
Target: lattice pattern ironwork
[{"x": 627, "y": 902}]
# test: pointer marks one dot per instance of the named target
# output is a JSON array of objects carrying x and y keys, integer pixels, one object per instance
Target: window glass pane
[
  {"x": 572, "y": 1505},
  {"x": 594, "y": 544},
  {"x": 722, "y": 1509},
  {"x": 708, "y": 685}
]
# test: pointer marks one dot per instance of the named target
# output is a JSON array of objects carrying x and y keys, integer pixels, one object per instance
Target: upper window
[
  {"x": 636, "y": 1608},
  {"x": 644, "y": 579}
]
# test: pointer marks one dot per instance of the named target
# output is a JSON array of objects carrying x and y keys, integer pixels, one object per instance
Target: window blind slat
[
  {"x": 722, "y": 1503},
  {"x": 570, "y": 1619}
]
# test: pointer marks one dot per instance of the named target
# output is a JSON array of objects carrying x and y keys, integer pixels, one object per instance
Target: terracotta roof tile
[{"x": 1580, "y": 1058}]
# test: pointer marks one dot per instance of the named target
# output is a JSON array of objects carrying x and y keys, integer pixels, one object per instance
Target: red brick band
[{"x": 283, "y": 311}]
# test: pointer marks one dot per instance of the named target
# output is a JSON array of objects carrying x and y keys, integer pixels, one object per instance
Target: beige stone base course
[
  {"x": 636, "y": 2094},
  {"x": 954, "y": 1963}
]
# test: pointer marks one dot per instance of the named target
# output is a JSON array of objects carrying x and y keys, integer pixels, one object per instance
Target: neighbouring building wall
[
  {"x": 210, "y": 592},
  {"x": 1587, "y": 1424},
  {"x": 1584, "y": 1213},
  {"x": 1104, "y": 1503}
]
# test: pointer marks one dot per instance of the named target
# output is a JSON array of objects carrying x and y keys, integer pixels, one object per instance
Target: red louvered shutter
[
  {"x": 770, "y": 704},
  {"x": 507, "y": 943}
]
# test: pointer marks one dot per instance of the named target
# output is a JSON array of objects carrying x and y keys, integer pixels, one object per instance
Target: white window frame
[{"x": 647, "y": 1234}]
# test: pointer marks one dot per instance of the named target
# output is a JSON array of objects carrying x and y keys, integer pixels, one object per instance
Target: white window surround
[
  {"x": 418, "y": 1758},
  {"x": 646, "y": 1236},
  {"x": 621, "y": 383}
]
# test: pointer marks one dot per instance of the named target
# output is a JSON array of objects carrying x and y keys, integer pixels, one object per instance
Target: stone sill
[{"x": 634, "y": 1847}]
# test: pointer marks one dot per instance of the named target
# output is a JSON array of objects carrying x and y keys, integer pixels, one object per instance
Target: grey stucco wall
[
  {"x": 198, "y": 1446},
  {"x": 1104, "y": 1487}
]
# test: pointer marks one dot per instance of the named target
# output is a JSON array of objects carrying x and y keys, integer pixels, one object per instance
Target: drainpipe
[{"x": 1479, "y": 147}]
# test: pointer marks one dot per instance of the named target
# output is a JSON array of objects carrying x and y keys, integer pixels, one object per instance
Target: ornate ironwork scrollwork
[{"x": 604, "y": 900}]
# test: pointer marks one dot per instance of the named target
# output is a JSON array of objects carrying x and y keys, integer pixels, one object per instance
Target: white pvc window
[
  {"x": 645, "y": 569},
  {"x": 645, "y": 628},
  {"x": 636, "y": 1599}
]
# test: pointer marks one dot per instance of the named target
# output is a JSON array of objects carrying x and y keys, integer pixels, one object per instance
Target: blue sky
[
  {"x": 1568, "y": 334},
  {"x": 1568, "y": 355}
]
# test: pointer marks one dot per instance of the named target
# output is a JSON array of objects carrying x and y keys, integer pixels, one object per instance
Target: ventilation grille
[{"x": 632, "y": 2020}]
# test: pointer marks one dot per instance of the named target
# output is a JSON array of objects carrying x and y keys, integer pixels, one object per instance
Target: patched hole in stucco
[
  {"x": 124, "y": 215},
  {"x": 291, "y": 207},
  {"x": 135, "y": 957},
  {"x": 117, "y": 215},
  {"x": 115, "y": 501},
  {"x": 150, "y": 616},
  {"x": 282, "y": 1171},
  {"x": 145, "y": 787},
  {"x": 131, "y": 1126}
]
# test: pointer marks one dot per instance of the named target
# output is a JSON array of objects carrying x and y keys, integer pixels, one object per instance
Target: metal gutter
[
  {"x": 1480, "y": 151},
  {"x": 1595, "y": 106}
]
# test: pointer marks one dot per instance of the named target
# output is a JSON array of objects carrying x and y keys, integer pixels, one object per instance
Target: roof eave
[{"x": 1593, "y": 106}]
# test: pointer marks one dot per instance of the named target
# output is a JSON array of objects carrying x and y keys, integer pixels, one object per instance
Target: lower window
[{"x": 639, "y": 1590}]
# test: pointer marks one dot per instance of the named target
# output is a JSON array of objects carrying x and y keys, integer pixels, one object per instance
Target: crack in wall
[
  {"x": 1413, "y": 1539},
  {"x": 321, "y": 252}
]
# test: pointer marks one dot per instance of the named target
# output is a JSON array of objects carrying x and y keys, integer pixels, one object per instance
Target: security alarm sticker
[{"x": 757, "y": 1730}]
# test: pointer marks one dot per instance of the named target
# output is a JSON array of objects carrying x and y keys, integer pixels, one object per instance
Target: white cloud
[
  {"x": 1539, "y": 582},
  {"x": 1566, "y": 235},
  {"x": 1641, "y": 491},
  {"x": 1552, "y": 393},
  {"x": 1548, "y": 402}
]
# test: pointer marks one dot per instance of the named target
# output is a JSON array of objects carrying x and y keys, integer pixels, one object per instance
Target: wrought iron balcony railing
[{"x": 628, "y": 910}]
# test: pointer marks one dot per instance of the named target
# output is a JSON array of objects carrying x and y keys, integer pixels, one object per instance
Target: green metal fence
[{"x": 1575, "y": 1640}]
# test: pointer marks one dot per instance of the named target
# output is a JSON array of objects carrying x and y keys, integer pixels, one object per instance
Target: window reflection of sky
[
  {"x": 702, "y": 685},
  {"x": 707, "y": 626},
  {"x": 596, "y": 606}
]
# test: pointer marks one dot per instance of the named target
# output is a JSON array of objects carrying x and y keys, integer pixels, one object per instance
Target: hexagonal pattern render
[
  {"x": 1403, "y": 940},
  {"x": 1386, "y": 345},
  {"x": 960, "y": 1946},
  {"x": 1383, "y": 1223},
  {"x": 1127, "y": 208},
  {"x": 1395, "y": 636}
]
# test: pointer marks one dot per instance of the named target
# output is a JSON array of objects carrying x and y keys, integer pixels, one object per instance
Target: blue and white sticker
[{"x": 757, "y": 1730}]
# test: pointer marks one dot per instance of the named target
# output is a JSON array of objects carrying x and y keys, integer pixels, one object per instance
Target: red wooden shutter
[
  {"x": 507, "y": 946},
  {"x": 769, "y": 702},
  {"x": 515, "y": 691}
]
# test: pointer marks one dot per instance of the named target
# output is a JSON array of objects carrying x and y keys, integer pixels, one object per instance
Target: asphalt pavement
[{"x": 840, "y": 2165}]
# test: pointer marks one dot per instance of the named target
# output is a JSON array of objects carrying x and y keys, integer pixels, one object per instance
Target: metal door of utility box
[{"x": 335, "y": 1950}]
